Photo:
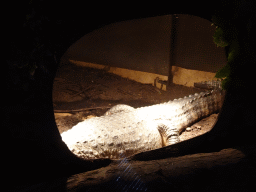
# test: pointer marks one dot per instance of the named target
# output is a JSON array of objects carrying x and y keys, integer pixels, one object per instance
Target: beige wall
[
  {"x": 194, "y": 48},
  {"x": 140, "y": 49},
  {"x": 140, "y": 44},
  {"x": 182, "y": 76}
]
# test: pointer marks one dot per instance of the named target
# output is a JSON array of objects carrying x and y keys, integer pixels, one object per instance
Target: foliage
[
  {"x": 224, "y": 36},
  {"x": 219, "y": 39},
  {"x": 233, "y": 28}
]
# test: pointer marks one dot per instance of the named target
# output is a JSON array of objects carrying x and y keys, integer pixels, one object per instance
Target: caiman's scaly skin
[{"x": 130, "y": 131}]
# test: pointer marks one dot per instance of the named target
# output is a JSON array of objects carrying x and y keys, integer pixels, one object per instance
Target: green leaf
[
  {"x": 223, "y": 72},
  {"x": 219, "y": 39},
  {"x": 233, "y": 51},
  {"x": 225, "y": 83}
]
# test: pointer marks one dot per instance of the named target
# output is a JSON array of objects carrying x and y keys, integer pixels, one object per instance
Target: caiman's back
[{"x": 132, "y": 131}]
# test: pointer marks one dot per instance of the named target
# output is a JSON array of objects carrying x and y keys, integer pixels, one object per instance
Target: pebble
[{"x": 198, "y": 127}]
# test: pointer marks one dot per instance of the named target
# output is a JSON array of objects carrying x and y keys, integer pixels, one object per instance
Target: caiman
[{"x": 124, "y": 130}]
